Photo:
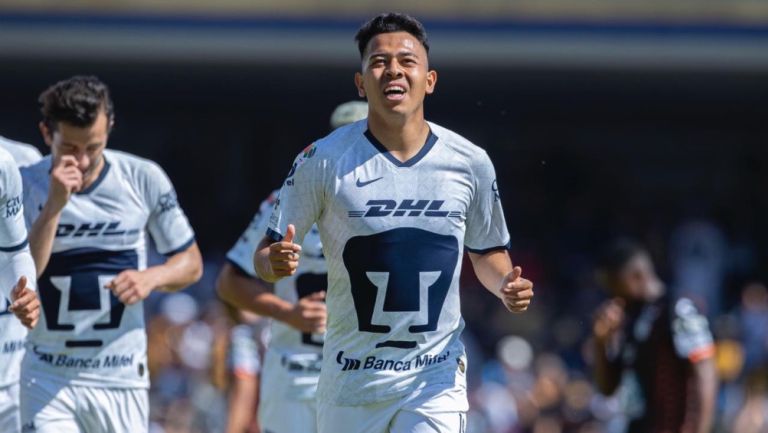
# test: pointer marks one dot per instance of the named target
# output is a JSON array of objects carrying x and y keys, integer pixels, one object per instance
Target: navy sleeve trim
[
  {"x": 275, "y": 236},
  {"x": 239, "y": 269},
  {"x": 15, "y": 247},
  {"x": 507, "y": 247},
  {"x": 183, "y": 247}
]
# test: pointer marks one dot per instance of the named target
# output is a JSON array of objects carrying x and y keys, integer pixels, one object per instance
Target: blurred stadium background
[{"x": 603, "y": 118}]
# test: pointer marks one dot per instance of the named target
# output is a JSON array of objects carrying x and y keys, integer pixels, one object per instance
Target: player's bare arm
[
  {"x": 277, "y": 260},
  {"x": 494, "y": 269},
  {"x": 66, "y": 179},
  {"x": 705, "y": 395},
  {"x": 309, "y": 314},
  {"x": 179, "y": 271},
  {"x": 242, "y": 398},
  {"x": 25, "y": 304}
]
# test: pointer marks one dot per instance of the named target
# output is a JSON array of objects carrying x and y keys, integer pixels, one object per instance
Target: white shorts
[
  {"x": 287, "y": 416},
  {"x": 9, "y": 409},
  {"x": 423, "y": 412},
  {"x": 287, "y": 403},
  {"x": 54, "y": 408}
]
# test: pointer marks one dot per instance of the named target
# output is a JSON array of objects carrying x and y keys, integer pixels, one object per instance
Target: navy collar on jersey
[
  {"x": 431, "y": 140},
  {"x": 98, "y": 180}
]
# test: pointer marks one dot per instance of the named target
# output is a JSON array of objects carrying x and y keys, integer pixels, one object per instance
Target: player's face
[
  {"x": 395, "y": 76},
  {"x": 86, "y": 144},
  {"x": 637, "y": 280}
]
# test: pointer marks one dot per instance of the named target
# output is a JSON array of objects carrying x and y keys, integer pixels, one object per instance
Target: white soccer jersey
[
  {"x": 85, "y": 335},
  {"x": 24, "y": 154},
  {"x": 292, "y": 361},
  {"x": 15, "y": 261},
  {"x": 393, "y": 235}
]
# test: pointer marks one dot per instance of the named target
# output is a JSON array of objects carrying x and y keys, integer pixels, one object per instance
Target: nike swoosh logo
[{"x": 362, "y": 184}]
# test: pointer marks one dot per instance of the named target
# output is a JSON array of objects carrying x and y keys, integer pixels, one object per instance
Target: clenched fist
[
  {"x": 284, "y": 255},
  {"x": 66, "y": 179},
  {"x": 25, "y": 304},
  {"x": 608, "y": 319},
  {"x": 516, "y": 292}
]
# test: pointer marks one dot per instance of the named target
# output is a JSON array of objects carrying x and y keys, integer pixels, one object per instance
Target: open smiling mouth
[{"x": 394, "y": 92}]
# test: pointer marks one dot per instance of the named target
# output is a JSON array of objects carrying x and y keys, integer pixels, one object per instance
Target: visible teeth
[{"x": 392, "y": 89}]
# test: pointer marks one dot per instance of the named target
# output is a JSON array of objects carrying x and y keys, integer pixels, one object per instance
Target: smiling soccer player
[{"x": 396, "y": 200}]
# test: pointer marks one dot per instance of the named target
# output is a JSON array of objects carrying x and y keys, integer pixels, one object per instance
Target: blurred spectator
[
  {"x": 698, "y": 254},
  {"x": 754, "y": 325}
]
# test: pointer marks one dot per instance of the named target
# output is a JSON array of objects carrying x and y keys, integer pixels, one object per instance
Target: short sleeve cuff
[
  {"x": 181, "y": 248},
  {"x": 482, "y": 251},
  {"x": 702, "y": 353},
  {"x": 15, "y": 248},
  {"x": 275, "y": 236},
  {"x": 240, "y": 269}
]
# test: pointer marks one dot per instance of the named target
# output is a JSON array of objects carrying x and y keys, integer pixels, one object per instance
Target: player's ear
[
  {"x": 359, "y": 84},
  {"x": 46, "y": 133},
  {"x": 431, "y": 81}
]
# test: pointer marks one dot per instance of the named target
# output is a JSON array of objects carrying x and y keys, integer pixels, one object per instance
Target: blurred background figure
[
  {"x": 247, "y": 342},
  {"x": 656, "y": 350}
]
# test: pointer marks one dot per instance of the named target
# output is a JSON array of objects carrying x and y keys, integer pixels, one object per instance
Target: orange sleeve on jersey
[
  {"x": 702, "y": 353},
  {"x": 244, "y": 374}
]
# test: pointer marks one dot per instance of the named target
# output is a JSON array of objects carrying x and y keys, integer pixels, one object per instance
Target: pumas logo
[
  {"x": 399, "y": 281},
  {"x": 92, "y": 230},
  {"x": 406, "y": 208}
]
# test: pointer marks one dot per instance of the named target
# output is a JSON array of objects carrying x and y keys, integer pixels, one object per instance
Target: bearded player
[
  {"x": 91, "y": 211},
  {"x": 396, "y": 200}
]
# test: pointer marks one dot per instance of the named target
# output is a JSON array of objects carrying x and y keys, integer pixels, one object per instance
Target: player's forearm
[
  {"x": 251, "y": 294},
  {"x": 491, "y": 268},
  {"x": 179, "y": 271},
  {"x": 42, "y": 235},
  {"x": 705, "y": 376},
  {"x": 16, "y": 264}
]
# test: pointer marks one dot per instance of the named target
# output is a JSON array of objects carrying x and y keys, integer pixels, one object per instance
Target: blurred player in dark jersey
[{"x": 656, "y": 352}]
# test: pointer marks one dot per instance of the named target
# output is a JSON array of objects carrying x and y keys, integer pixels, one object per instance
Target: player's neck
[{"x": 403, "y": 136}]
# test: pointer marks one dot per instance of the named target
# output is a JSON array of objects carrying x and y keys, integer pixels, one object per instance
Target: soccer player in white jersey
[
  {"x": 90, "y": 210},
  {"x": 396, "y": 199},
  {"x": 17, "y": 295},
  {"x": 24, "y": 154},
  {"x": 292, "y": 361}
]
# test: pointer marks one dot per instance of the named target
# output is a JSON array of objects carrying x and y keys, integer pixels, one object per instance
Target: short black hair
[
  {"x": 77, "y": 101},
  {"x": 389, "y": 23},
  {"x": 617, "y": 254}
]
